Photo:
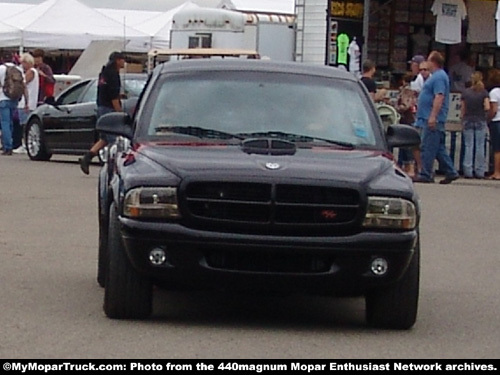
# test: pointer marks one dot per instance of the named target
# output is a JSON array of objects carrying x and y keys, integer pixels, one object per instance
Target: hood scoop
[{"x": 268, "y": 146}]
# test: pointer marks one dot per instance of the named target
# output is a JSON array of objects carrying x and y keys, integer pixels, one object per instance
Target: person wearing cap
[
  {"x": 418, "y": 81},
  {"x": 108, "y": 100}
]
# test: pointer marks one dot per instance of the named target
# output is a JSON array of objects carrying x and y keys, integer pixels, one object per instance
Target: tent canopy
[
  {"x": 9, "y": 35},
  {"x": 68, "y": 24}
]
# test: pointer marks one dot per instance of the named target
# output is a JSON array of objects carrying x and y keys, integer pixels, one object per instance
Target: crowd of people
[
  {"x": 423, "y": 102},
  {"x": 20, "y": 96}
]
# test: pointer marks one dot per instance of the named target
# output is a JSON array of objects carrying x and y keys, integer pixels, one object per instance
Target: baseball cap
[
  {"x": 417, "y": 59},
  {"x": 116, "y": 56}
]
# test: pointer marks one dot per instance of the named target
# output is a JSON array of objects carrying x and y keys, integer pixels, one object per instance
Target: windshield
[{"x": 228, "y": 105}]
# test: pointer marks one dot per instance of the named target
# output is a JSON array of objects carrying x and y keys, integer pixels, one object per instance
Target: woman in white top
[
  {"x": 32, "y": 85},
  {"x": 494, "y": 115},
  {"x": 31, "y": 78}
]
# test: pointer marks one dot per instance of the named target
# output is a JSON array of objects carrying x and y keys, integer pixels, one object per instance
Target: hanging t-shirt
[
  {"x": 343, "y": 45},
  {"x": 481, "y": 21},
  {"x": 450, "y": 14},
  {"x": 354, "y": 58}
]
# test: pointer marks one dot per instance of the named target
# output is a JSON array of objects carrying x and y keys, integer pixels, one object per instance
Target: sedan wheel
[{"x": 35, "y": 144}]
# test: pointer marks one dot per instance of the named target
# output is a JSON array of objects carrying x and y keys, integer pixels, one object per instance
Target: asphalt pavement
[{"x": 52, "y": 304}]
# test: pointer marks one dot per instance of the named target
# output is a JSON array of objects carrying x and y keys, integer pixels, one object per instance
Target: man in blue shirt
[{"x": 433, "y": 103}]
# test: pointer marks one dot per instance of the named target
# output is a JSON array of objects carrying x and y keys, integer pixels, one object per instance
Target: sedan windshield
[{"x": 301, "y": 109}]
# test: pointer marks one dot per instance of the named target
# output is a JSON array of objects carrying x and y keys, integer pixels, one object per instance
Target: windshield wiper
[
  {"x": 297, "y": 138},
  {"x": 196, "y": 131}
]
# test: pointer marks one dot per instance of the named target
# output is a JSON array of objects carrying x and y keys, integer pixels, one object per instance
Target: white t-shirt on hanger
[
  {"x": 354, "y": 58},
  {"x": 481, "y": 21},
  {"x": 450, "y": 14}
]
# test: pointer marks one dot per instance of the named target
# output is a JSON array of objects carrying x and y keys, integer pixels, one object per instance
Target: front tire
[
  {"x": 395, "y": 306},
  {"x": 127, "y": 295},
  {"x": 35, "y": 142},
  {"x": 102, "y": 259}
]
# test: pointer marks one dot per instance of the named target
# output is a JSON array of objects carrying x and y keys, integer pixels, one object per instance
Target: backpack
[{"x": 13, "y": 86}]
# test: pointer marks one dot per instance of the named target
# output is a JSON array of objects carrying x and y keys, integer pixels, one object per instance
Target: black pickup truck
[{"x": 263, "y": 176}]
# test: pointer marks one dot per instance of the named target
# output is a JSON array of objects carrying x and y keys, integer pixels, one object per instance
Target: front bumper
[{"x": 203, "y": 259}]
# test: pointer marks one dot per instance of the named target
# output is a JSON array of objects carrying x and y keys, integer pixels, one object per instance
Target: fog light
[
  {"x": 379, "y": 266},
  {"x": 157, "y": 256}
]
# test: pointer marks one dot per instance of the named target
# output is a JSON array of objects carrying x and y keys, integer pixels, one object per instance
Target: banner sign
[{"x": 246, "y": 366}]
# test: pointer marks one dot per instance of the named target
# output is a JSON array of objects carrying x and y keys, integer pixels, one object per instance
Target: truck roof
[{"x": 257, "y": 65}]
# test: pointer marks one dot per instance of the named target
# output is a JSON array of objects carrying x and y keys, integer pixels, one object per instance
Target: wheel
[
  {"x": 396, "y": 305},
  {"x": 127, "y": 295},
  {"x": 103, "y": 210},
  {"x": 35, "y": 144}
]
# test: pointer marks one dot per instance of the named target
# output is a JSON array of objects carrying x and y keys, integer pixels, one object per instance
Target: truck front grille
[{"x": 271, "y": 208}]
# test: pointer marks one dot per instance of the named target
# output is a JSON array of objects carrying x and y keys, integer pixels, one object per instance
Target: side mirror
[
  {"x": 402, "y": 136},
  {"x": 116, "y": 123}
]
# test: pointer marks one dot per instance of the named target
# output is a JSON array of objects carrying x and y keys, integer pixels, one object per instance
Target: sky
[{"x": 158, "y": 5}]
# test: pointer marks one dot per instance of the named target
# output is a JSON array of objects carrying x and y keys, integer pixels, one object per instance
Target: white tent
[
  {"x": 69, "y": 24},
  {"x": 129, "y": 17},
  {"x": 9, "y": 9},
  {"x": 158, "y": 28},
  {"x": 9, "y": 35}
]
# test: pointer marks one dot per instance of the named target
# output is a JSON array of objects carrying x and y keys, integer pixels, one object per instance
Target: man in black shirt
[
  {"x": 108, "y": 100},
  {"x": 369, "y": 70}
]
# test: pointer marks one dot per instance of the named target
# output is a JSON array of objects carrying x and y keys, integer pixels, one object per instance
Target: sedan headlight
[
  {"x": 151, "y": 203},
  {"x": 390, "y": 213}
]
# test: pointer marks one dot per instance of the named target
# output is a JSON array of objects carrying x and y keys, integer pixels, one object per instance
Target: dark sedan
[{"x": 67, "y": 126}]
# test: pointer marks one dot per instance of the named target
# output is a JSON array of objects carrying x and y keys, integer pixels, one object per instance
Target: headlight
[
  {"x": 390, "y": 213},
  {"x": 155, "y": 203}
]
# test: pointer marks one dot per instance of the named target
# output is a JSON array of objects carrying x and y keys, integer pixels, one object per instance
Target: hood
[{"x": 224, "y": 161}]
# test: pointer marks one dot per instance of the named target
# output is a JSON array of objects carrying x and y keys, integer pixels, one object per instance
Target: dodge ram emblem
[
  {"x": 273, "y": 166},
  {"x": 328, "y": 214}
]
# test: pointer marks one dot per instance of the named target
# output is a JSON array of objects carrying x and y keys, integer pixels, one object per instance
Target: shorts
[
  {"x": 495, "y": 135},
  {"x": 108, "y": 138}
]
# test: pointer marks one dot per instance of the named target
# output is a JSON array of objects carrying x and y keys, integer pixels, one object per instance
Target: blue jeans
[
  {"x": 432, "y": 148},
  {"x": 474, "y": 136},
  {"x": 7, "y": 108}
]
